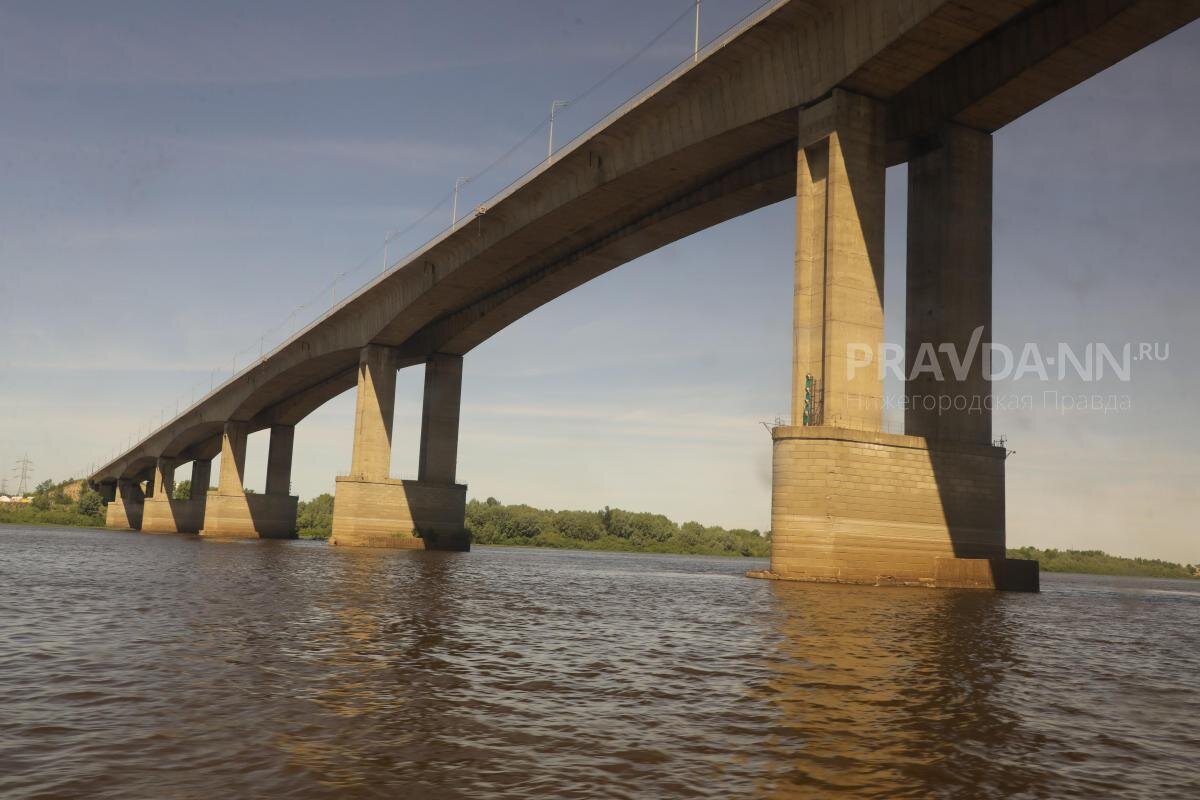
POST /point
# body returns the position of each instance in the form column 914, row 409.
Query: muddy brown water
column 141, row 666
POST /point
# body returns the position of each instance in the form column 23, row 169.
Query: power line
column 23, row 471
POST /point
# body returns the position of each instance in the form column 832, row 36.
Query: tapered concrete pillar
column 201, row 478
column 439, row 418
column 231, row 480
column 164, row 478
column 372, row 509
column 279, row 460
column 850, row 503
column 231, row 513
column 371, row 457
column 839, row 263
column 124, row 512
column 950, row 289
column 163, row 513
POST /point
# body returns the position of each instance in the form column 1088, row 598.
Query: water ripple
column 160, row 666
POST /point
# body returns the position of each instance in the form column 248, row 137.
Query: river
column 142, row 666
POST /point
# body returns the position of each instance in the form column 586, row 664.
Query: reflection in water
column 164, row 666
column 890, row 693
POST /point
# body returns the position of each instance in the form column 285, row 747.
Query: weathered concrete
column 852, row 506
column 399, row 514
column 849, row 504
column 839, row 259
column 950, row 288
column 124, row 512
column 373, row 510
column 279, row 460
column 168, row 515
column 164, row 478
column 201, row 477
column 230, row 513
column 1006, row 574
column 439, row 419
column 162, row 513
column 371, row 458
column 250, row 516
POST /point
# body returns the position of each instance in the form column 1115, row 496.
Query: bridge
column 807, row 99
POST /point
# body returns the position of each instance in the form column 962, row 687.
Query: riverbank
column 1097, row 562
column 25, row 515
column 614, row 530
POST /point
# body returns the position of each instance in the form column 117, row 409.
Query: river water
column 141, row 666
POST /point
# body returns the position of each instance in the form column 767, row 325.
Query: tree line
column 74, row 503
column 491, row 522
column 1097, row 562
column 71, row 502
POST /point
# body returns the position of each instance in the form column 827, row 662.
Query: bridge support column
column 201, row 478
column 949, row 328
column 230, row 513
column 850, row 503
column 279, row 460
column 371, row 508
column 163, row 513
column 949, row 297
column 124, row 512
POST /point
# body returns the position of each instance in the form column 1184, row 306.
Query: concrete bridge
column 810, row 99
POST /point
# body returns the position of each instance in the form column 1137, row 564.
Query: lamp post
column 696, row 45
column 554, row 107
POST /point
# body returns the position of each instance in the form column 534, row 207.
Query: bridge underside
column 811, row 100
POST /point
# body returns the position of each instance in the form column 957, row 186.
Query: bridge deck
column 712, row 141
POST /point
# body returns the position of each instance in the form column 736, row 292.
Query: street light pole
column 696, row 46
column 554, row 107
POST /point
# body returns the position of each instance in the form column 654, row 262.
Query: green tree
column 183, row 491
column 314, row 519
column 90, row 503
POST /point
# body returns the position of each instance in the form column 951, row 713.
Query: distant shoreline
column 616, row 531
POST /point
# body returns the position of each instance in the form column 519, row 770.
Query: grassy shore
column 64, row 517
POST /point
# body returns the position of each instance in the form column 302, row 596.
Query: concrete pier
column 851, row 503
column 371, row 509
column 162, row 513
column 230, row 513
column 124, row 511
column 839, row 259
column 949, row 288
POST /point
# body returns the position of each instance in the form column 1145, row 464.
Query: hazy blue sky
column 177, row 178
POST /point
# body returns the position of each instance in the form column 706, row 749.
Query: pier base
column 400, row 514
column 172, row 516
column 863, row 507
column 123, row 516
column 250, row 516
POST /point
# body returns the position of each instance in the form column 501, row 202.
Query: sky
column 183, row 183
